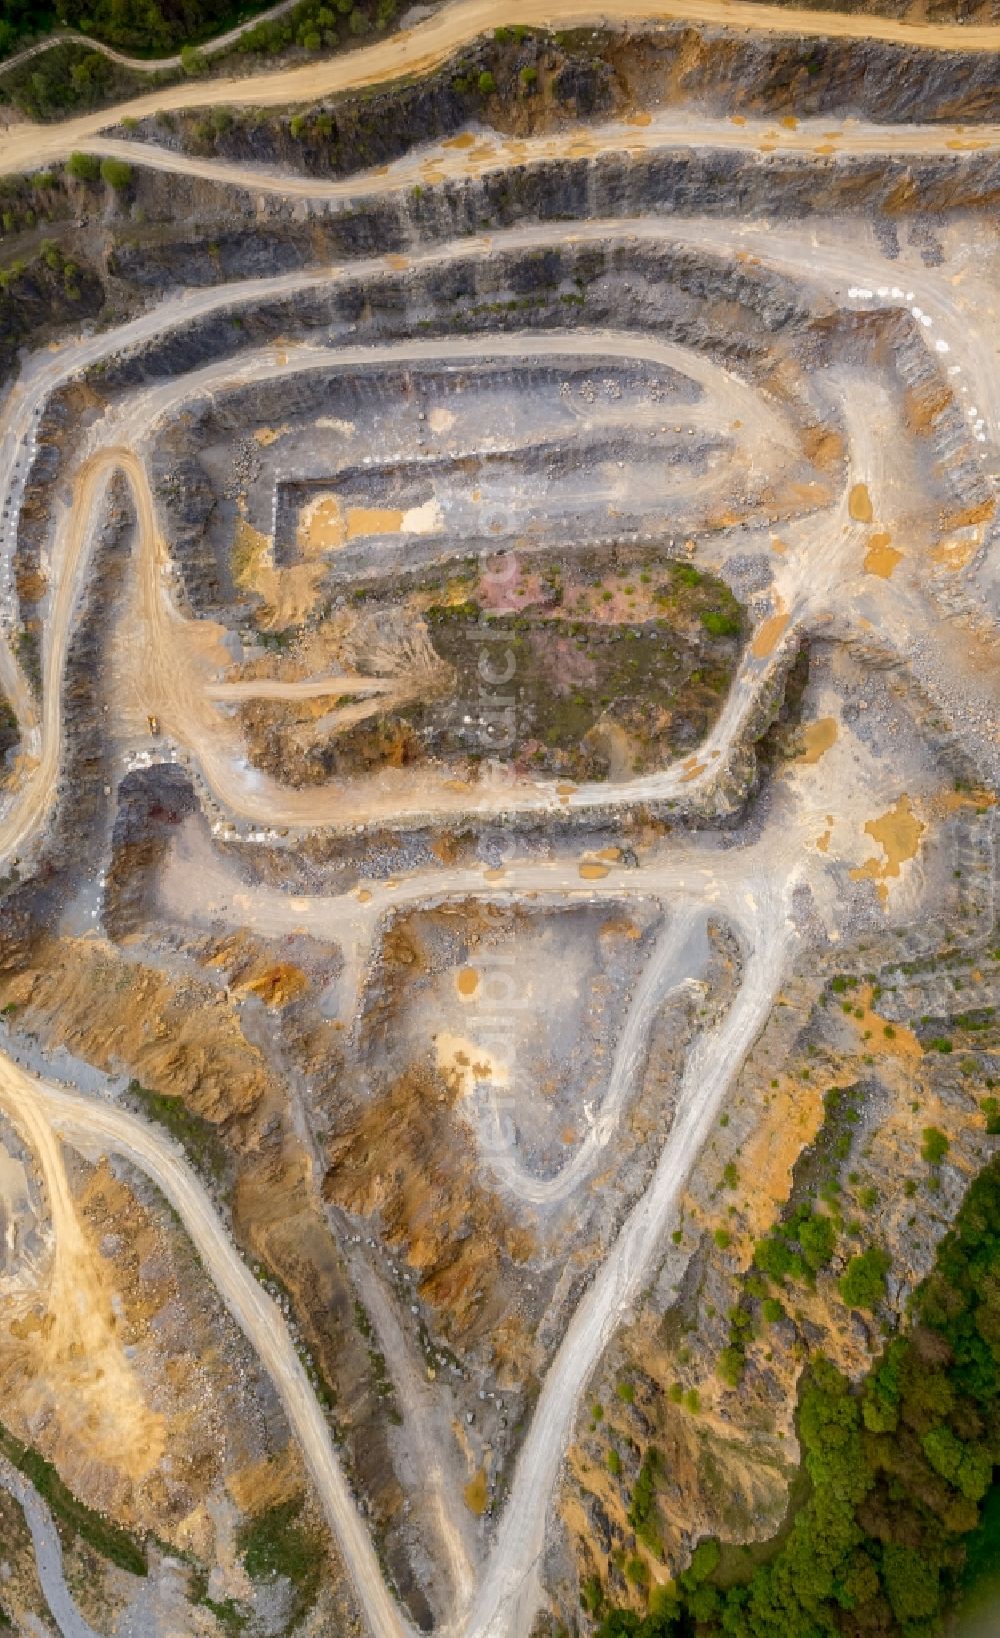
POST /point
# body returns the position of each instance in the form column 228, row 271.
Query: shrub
column 487, row 84
column 528, row 77
column 863, row 1282
column 991, row 1109
column 722, row 1238
column 637, row 1571
column 116, row 173
column 192, row 61
column 817, row 1237
column 965, row 1467
column 642, row 1512
column 720, row 625
column 83, row 167
column 732, row 1362
column 935, row 1145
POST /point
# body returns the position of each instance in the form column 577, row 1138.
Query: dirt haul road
column 48, row 1553
column 149, row 65
column 676, row 961
column 450, row 161
column 933, row 36
column 177, row 692
column 510, row 1591
column 179, row 651
column 823, row 263
column 41, row 1109
column 424, row 47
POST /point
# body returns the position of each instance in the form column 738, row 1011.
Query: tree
column 968, row 1468
column 911, row 1584
column 487, row 84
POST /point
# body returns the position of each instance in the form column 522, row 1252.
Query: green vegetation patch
column 584, row 698
column 72, row 1515
column 197, row 1136
column 798, row 1247
column 642, row 1511
column 863, row 1282
column 889, row 1537
column 9, row 732
column 979, row 1593
column 70, row 78
column 276, row 1544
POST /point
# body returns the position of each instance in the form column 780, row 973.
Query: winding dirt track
column 718, row 13
column 446, row 162
column 48, row 1553
column 176, row 686
column 676, row 961
column 419, row 50
column 148, row 65
column 41, row 1108
column 510, row 1592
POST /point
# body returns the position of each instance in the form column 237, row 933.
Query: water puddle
column 769, row 634
column 461, row 1058
column 373, row 520
column 467, row 981
column 320, row 526
column 897, row 832
column 818, row 736
column 881, row 557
